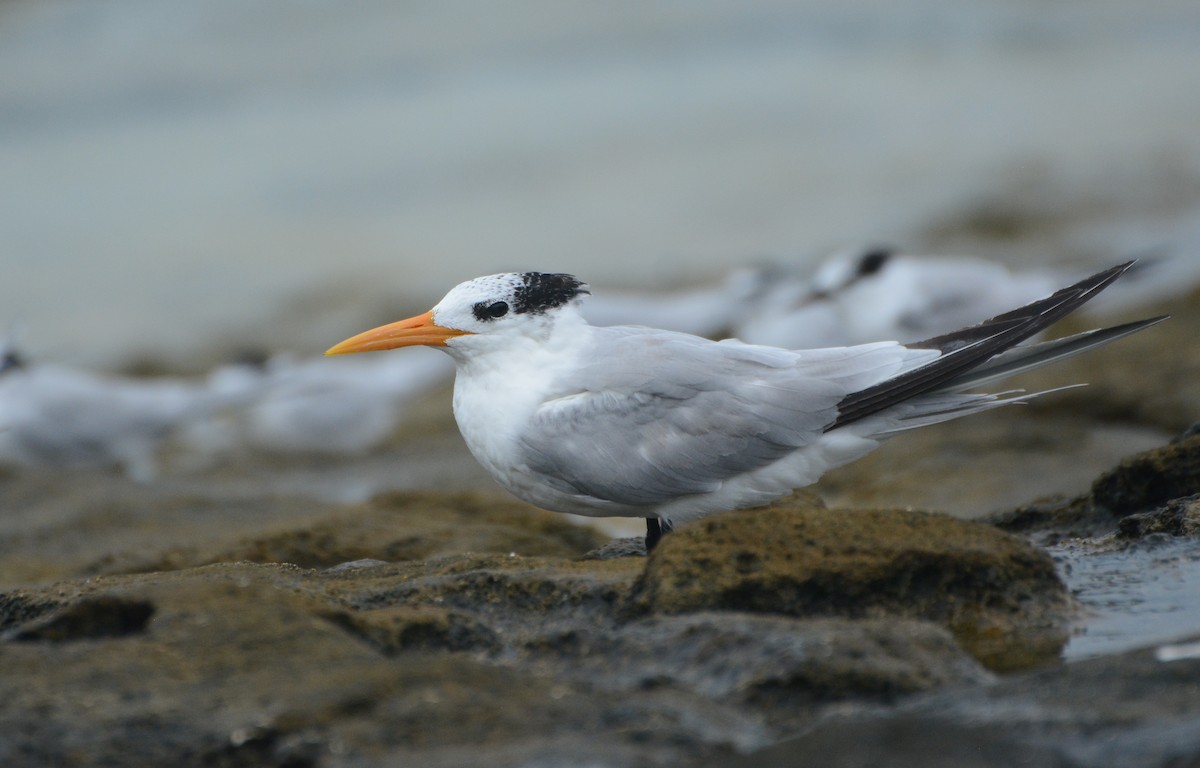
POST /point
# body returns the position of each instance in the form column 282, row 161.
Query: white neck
column 501, row 382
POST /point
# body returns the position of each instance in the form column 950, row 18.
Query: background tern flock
column 61, row 417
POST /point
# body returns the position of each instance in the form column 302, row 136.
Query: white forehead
column 489, row 287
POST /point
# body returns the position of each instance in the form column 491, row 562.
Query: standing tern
column 636, row 422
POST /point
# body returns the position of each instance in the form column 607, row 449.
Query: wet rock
column 627, row 547
column 402, row 628
column 440, row 628
column 1140, row 484
column 57, row 525
column 90, row 618
column 20, row 607
column 999, row 595
column 249, row 664
column 1049, row 522
column 1179, row 517
column 778, row 666
column 96, row 523
column 391, row 527
column 900, row 742
column 1149, row 479
column 510, row 593
column 1136, row 710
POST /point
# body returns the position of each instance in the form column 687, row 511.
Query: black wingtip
column 1065, row 300
column 965, row 349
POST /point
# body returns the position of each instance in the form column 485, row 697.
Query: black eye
column 491, row 311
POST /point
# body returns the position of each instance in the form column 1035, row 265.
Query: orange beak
column 415, row 331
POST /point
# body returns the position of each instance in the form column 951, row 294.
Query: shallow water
column 1141, row 595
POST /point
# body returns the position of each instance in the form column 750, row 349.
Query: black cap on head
column 542, row 291
column 873, row 260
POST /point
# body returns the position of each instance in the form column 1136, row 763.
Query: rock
column 1135, row 710
column 402, row 628
column 90, row 522
column 999, row 595
column 103, row 524
column 23, row 607
column 241, row 665
column 779, row 667
column 389, row 528
column 509, row 593
column 439, row 628
column 1126, row 549
column 627, row 547
column 1048, row 521
column 1140, row 485
column 90, row 618
column 1147, row 480
column 524, row 660
column 1178, row 517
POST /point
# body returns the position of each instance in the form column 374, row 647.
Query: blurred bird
column 311, row 406
column 875, row 294
column 710, row 311
column 57, row 416
column 637, row 422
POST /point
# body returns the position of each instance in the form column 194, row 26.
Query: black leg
column 655, row 530
column 653, row 534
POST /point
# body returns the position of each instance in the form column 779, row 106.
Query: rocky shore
column 211, row 621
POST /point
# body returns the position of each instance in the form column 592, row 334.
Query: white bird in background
column 710, row 311
column 873, row 294
column 870, row 294
column 636, row 422
column 62, row 417
column 309, row 406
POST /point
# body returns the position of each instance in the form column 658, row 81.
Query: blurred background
column 198, row 197
column 180, row 180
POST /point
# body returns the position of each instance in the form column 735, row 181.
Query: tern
column 64, row 417
column 305, row 406
column 876, row 293
column 873, row 294
column 638, row 422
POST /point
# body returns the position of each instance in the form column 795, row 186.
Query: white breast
column 497, row 393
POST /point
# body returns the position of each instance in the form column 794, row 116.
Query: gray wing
column 667, row 415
